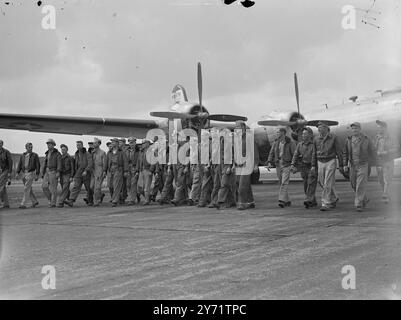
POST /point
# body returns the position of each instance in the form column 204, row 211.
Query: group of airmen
column 130, row 177
column 317, row 159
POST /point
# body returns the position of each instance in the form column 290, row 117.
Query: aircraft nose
column 203, row 114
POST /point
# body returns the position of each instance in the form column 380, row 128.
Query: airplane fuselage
column 366, row 112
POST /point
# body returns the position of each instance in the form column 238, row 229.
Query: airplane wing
column 77, row 125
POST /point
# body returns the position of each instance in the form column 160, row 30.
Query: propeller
column 314, row 123
column 200, row 86
column 172, row 115
column 296, row 90
column 226, row 117
column 202, row 115
column 275, row 123
column 299, row 123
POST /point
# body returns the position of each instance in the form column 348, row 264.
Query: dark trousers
column 216, row 175
column 227, row 186
column 124, row 190
column 158, row 184
column 110, row 184
column 245, row 194
column 65, row 187
column 207, row 186
column 90, row 191
column 310, row 182
column 168, row 188
column 116, row 177
column 76, row 189
column 181, row 191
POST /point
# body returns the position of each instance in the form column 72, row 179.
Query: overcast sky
column 121, row 59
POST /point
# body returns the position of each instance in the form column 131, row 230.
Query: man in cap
column 83, row 168
column 328, row 149
column 29, row 166
column 159, row 177
column 108, row 175
column 145, row 169
column 6, row 166
column 181, row 178
column 51, row 172
column 226, row 196
column 124, row 191
column 207, row 177
column 167, row 193
column 133, row 174
column 196, row 172
column 122, row 144
column 89, row 193
column 90, row 146
column 216, row 155
column 303, row 160
column 281, row 155
column 66, row 174
column 358, row 152
column 243, row 172
column 99, row 169
column 387, row 150
column 117, row 166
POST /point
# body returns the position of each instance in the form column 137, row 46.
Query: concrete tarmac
column 167, row 252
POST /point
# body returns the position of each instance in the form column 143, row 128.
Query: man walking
column 99, row 169
column 29, row 166
column 89, row 192
column 328, row 149
column 245, row 194
column 167, row 193
column 181, row 176
column 51, row 172
column 146, row 170
column 159, row 177
column 90, row 147
column 387, row 149
column 108, row 175
column 117, row 166
column 83, row 167
column 281, row 155
column 124, row 190
column 197, row 174
column 133, row 174
column 358, row 150
column 6, row 166
column 304, row 160
column 66, row 174
column 207, row 177
column 215, row 170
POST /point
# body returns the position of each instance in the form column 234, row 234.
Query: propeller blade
column 275, row 123
column 172, row 115
column 296, row 90
column 226, row 117
column 314, row 123
column 200, row 85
